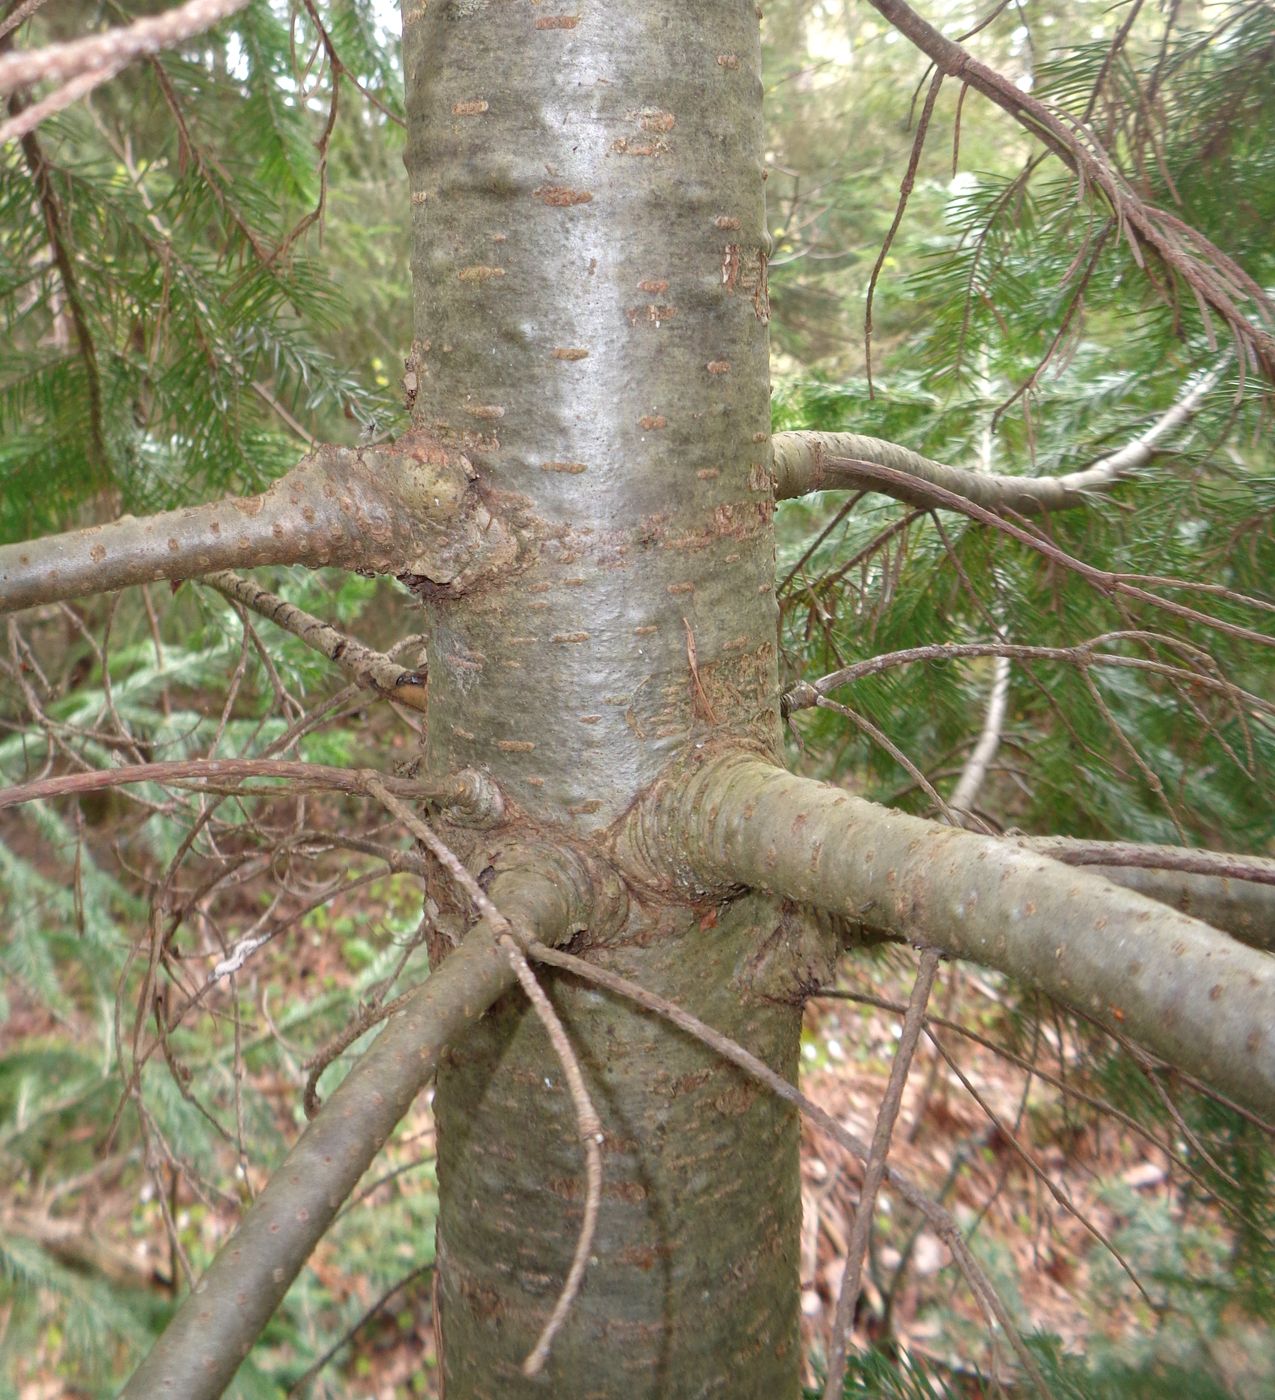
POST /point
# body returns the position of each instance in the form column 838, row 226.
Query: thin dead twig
column 1103, row 579
column 166, row 916
column 805, row 694
column 1011, row 1139
column 1029, row 1067
column 321, row 1059
column 874, row 1171
column 590, row 1126
column 905, row 193
column 62, row 246
column 881, row 738
column 939, row 1219
column 360, row 663
column 302, row 1382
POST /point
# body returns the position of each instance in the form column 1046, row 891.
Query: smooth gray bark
column 1193, row 996
column 1234, row 893
column 589, row 272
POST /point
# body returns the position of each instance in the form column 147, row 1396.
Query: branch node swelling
column 408, row 508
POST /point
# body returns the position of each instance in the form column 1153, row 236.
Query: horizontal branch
column 808, row 461
column 363, row 665
column 401, row 508
column 210, row 1334
column 1193, row 996
column 1135, row 855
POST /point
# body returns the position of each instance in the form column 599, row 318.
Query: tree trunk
column 590, row 282
column 692, row 1289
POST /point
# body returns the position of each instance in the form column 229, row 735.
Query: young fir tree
column 584, row 505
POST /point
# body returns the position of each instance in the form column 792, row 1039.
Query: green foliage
column 1018, row 334
column 172, row 326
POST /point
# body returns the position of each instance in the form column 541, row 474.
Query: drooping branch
column 58, row 62
column 1191, row 995
column 211, row 1332
column 1216, row 281
column 401, row 508
column 360, row 663
column 1203, row 674
column 806, row 462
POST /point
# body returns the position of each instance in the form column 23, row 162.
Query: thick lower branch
column 203, row 1345
column 1191, row 995
column 404, row 508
